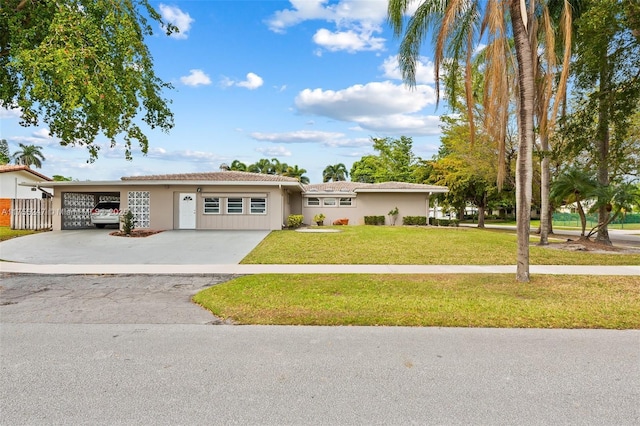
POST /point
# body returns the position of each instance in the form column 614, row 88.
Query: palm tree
column 458, row 29
column 547, row 70
column 574, row 186
column 335, row 172
column 261, row 166
column 298, row 173
column 238, row 165
column 29, row 155
column 278, row 168
column 617, row 199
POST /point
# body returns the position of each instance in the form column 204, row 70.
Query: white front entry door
column 187, row 211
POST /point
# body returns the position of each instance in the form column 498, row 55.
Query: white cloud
column 252, row 82
column 35, row 140
column 10, row 112
column 402, row 123
column 42, row 133
column 196, row 78
column 177, row 17
column 372, row 99
column 274, row 151
column 425, row 72
column 300, row 136
column 340, row 13
column 351, row 41
column 378, row 106
column 355, row 23
column 329, row 139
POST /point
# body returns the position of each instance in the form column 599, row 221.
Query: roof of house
column 354, row 187
column 224, row 176
column 4, row 168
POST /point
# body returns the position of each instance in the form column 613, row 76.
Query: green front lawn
column 6, row 233
column 415, row 246
column 428, row 300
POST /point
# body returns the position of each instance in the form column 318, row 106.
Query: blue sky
column 307, row 81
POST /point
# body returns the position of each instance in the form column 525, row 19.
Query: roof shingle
column 4, row 168
column 226, row 176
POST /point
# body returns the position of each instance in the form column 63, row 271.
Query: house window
column 313, row 201
column 258, row 205
column 345, row 201
column 330, row 202
column 212, row 205
column 234, row 206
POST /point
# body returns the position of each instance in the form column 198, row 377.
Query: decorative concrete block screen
column 76, row 207
column 139, row 206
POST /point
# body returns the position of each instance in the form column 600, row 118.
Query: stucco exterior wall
column 164, row 205
column 10, row 188
column 371, row 204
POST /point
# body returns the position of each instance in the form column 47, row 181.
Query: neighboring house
column 20, row 182
column 234, row 200
column 354, row 201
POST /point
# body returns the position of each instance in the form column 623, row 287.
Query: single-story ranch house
column 235, row 200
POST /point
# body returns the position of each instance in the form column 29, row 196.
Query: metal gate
column 76, row 208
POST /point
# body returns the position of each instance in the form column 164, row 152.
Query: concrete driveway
column 96, row 246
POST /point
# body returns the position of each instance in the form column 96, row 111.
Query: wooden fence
column 32, row 213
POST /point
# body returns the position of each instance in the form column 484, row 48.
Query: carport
column 76, row 207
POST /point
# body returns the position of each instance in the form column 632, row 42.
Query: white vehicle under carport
column 105, row 213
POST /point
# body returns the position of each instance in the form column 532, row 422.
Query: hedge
column 443, row 222
column 374, row 220
column 414, row 220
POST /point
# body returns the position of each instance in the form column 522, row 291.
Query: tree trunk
column 524, row 164
column 482, row 206
column 602, row 139
column 583, row 218
column 545, row 184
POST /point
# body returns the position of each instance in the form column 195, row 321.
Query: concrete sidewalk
column 24, row 268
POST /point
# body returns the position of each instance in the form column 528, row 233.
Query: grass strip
column 466, row 300
column 401, row 245
column 6, row 233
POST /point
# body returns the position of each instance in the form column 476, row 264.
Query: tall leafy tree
column 60, row 178
column 29, row 155
column 366, row 170
column 395, row 161
column 458, row 27
column 82, row 68
column 607, row 95
column 335, row 172
column 5, row 157
column 470, row 172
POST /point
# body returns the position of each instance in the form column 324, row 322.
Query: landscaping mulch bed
column 592, row 246
column 136, row 233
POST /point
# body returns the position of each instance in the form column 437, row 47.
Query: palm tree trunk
column 583, row 218
column 545, row 184
column 524, row 164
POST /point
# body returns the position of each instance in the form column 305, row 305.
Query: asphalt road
column 133, row 350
